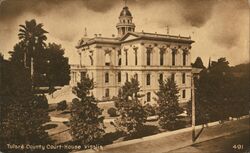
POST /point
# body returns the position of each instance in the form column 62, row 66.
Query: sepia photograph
column 124, row 76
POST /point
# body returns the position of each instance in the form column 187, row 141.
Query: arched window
column 136, row 56
column 184, row 57
column 173, row 57
column 148, row 79
column 148, row 56
column 107, row 59
column 123, row 30
column 161, row 57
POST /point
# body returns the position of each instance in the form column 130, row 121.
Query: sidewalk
column 168, row 141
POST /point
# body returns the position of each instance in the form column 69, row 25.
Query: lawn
column 59, row 131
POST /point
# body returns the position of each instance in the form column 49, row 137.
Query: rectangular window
column 75, row 76
column 126, row 76
column 148, row 79
column 120, row 62
column 183, row 78
column 148, row 57
column 148, row 96
column 83, row 75
column 119, row 58
column 106, row 77
column 107, row 93
column 91, row 60
column 135, row 57
column 136, row 77
column 173, row 77
column 126, row 57
column 183, row 93
column 161, row 77
column 119, row 77
column 184, row 59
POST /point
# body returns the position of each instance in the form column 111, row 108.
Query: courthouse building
column 145, row 56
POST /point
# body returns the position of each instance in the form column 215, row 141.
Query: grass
column 60, row 130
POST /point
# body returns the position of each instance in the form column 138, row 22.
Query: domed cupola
column 125, row 22
column 125, row 12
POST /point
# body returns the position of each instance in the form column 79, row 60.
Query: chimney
column 85, row 32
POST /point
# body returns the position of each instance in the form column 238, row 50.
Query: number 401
column 238, row 146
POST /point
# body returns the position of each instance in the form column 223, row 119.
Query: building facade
column 145, row 56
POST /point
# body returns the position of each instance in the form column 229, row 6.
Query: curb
column 164, row 134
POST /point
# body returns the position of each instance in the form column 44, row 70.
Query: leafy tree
column 216, row 93
column 33, row 36
column 132, row 115
column 221, row 92
column 22, row 113
column 215, row 88
column 5, row 70
column 53, row 68
column 168, row 104
column 240, row 85
column 86, row 121
column 198, row 63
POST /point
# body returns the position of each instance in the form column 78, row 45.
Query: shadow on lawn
column 112, row 137
column 66, row 112
column 50, row 126
column 109, row 138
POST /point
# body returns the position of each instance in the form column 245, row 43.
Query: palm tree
column 33, row 35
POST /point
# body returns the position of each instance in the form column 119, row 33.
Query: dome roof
column 125, row 12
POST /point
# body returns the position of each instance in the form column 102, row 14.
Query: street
column 237, row 143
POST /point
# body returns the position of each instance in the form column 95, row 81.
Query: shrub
column 149, row 109
column 132, row 115
column 62, row 105
column 168, row 103
column 112, row 112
